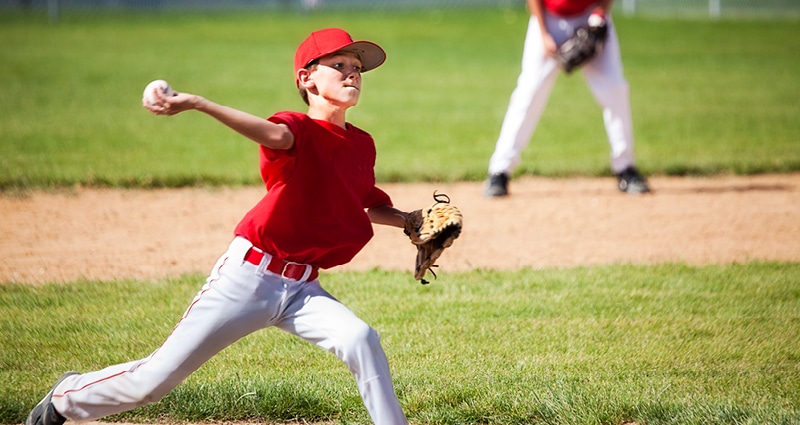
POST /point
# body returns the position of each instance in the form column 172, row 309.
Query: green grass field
column 664, row 344
column 707, row 97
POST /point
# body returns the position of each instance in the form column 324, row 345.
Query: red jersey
column 568, row 7
column 317, row 193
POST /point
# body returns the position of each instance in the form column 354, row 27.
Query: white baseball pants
column 603, row 75
column 237, row 300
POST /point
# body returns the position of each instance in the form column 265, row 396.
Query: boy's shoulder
column 293, row 115
column 298, row 121
column 293, row 119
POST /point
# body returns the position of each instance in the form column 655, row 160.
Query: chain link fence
column 712, row 8
column 664, row 8
column 254, row 4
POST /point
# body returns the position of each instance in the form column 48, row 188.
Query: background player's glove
column 585, row 44
column 432, row 230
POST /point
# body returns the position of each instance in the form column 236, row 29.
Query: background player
column 551, row 23
column 321, row 200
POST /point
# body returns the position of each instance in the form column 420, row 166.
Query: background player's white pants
column 603, row 75
column 234, row 302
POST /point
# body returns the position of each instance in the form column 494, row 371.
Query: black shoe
column 496, row 185
column 630, row 181
column 44, row 413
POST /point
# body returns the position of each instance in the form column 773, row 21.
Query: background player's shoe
column 630, row 181
column 496, row 185
column 44, row 413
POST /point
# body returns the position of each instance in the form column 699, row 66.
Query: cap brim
column 372, row 56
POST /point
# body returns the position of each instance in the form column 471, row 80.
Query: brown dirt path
column 109, row 234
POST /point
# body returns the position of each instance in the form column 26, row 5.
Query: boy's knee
column 143, row 396
column 144, row 392
column 358, row 340
column 363, row 335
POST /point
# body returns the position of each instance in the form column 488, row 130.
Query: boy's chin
column 350, row 102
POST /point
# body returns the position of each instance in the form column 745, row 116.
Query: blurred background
column 714, row 88
column 696, row 8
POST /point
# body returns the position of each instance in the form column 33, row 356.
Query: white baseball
column 596, row 20
column 162, row 85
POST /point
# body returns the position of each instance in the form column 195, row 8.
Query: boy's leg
column 527, row 102
column 229, row 306
column 314, row 315
column 604, row 76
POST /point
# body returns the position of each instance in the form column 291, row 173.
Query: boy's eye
column 340, row 66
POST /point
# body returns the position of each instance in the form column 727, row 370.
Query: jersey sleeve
column 292, row 121
column 377, row 198
column 277, row 165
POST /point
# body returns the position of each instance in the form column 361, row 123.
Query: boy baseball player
column 551, row 23
column 317, row 213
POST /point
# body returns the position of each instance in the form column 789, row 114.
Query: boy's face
column 337, row 78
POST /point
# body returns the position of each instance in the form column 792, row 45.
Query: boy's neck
column 330, row 113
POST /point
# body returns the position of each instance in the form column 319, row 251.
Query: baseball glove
column 585, row 44
column 432, row 230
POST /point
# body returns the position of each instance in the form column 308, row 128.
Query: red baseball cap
column 331, row 40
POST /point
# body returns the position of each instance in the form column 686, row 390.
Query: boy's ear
column 304, row 79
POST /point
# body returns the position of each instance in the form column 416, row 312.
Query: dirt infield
column 108, row 234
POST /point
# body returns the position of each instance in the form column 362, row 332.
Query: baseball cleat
column 630, row 181
column 496, row 185
column 44, row 413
